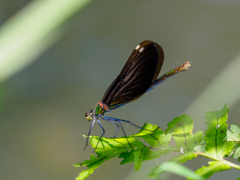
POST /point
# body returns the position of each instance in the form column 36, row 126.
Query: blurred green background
column 57, row 58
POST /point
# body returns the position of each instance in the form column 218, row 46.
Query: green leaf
column 128, row 157
column 194, row 139
column 236, row 151
column 150, row 133
column 234, row 133
column 214, row 146
column 141, row 154
column 135, row 156
column 176, row 169
column 107, row 149
column 180, row 159
column 216, row 135
column 137, row 159
column 184, row 157
column 180, row 125
column 214, row 166
column 180, row 128
column 92, row 164
column 113, row 146
column 201, row 146
column 92, row 160
column 164, row 140
column 156, row 138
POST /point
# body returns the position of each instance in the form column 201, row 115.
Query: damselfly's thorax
column 100, row 110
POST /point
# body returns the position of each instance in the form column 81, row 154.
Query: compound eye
column 88, row 116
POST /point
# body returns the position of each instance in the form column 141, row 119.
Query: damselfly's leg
column 119, row 120
column 89, row 133
column 125, row 134
column 101, row 135
column 117, row 127
column 183, row 67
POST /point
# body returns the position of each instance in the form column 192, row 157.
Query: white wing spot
column 140, row 50
column 137, row 47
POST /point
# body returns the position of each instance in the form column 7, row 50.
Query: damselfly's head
column 89, row 116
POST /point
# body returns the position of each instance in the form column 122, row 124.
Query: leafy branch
column 217, row 143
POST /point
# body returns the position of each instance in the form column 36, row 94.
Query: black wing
column 140, row 70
